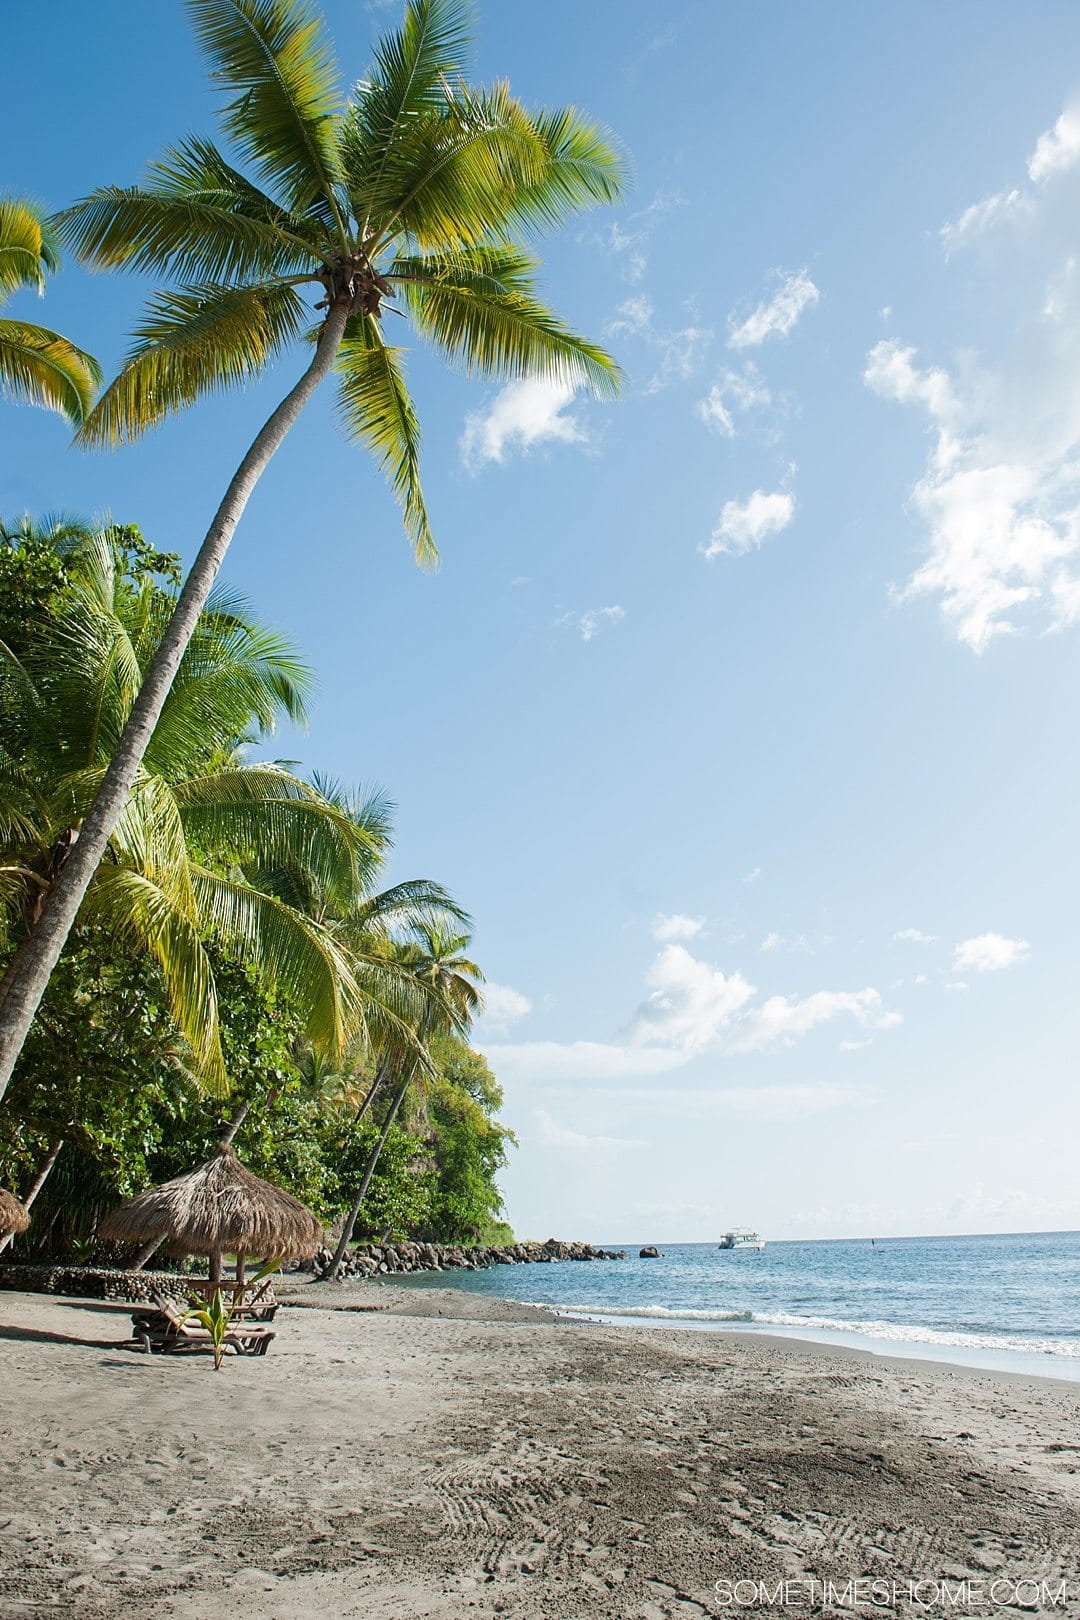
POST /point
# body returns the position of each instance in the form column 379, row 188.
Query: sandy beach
column 447, row 1455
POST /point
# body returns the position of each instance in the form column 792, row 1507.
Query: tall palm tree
column 186, row 855
column 414, row 188
column 449, row 978
column 38, row 366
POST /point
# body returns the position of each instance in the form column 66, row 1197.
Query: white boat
column 741, row 1238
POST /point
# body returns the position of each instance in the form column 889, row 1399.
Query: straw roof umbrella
column 13, row 1217
column 216, row 1208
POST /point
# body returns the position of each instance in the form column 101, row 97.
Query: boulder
column 651, row 1252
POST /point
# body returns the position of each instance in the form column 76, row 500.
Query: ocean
column 1000, row 1301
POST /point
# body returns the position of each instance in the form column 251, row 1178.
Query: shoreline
column 447, row 1455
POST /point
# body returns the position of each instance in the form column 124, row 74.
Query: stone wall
column 89, row 1282
column 375, row 1259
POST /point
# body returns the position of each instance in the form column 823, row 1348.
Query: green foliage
column 399, row 1198
column 184, row 857
column 467, row 1144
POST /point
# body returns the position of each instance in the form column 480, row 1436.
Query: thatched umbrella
column 13, row 1217
column 219, row 1207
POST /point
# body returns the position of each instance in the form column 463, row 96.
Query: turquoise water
column 1008, row 1301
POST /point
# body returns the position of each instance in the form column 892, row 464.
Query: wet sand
column 445, row 1455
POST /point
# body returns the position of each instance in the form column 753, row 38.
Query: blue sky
column 741, row 713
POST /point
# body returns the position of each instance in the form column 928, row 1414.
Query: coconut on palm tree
column 38, row 366
column 413, row 191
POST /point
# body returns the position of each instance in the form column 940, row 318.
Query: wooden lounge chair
column 167, row 1326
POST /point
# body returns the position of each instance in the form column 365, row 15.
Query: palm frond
column 27, row 246
column 408, row 80
column 584, row 167
column 265, row 815
column 376, row 409
column 495, row 329
column 274, row 61
column 192, row 342
column 39, row 367
column 196, row 218
column 288, row 949
column 139, row 913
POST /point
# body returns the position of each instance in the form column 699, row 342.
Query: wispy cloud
column 680, row 350
column 999, row 494
column 503, row 1006
column 743, row 525
column 676, row 925
column 914, row 936
column 593, row 620
column 779, row 1020
column 776, row 316
column 523, row 414
column 692, row 1008
column 733, row 394
column 989, row 953
column 1056, row 152
column 556, row 1133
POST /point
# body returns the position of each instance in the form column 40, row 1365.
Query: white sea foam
column 896, row 1332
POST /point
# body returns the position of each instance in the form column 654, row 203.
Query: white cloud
column 680, row 350
column 745, row 524
column 999, row 497
column 552, row 1133
column 856, row 1046
column 594, row 619
column 522, row 415
column 1057, row 149
column 503, row 1005
column 984, row 216
column 691, row 1003
column 733, row 392
column 753, row 875
column 891, row 372
column 692, row 1008
column 781, row 1018
column 674, row 926
column 988, row 953
column 776, row 316
column 915, row 936
column 587, row 1062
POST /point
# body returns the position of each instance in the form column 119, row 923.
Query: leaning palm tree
column 449, row 979
column 186, row 855
column 413, row 190
column 38, row 366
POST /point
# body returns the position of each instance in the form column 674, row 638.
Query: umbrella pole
column 240, row 1269
column 215, row 1266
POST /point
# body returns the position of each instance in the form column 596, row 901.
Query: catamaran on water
column 741, row 1238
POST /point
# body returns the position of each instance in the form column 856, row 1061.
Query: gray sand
column 445, row 1456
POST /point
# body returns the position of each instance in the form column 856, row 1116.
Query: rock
column 650, row 1253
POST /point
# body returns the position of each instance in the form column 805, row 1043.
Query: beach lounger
column 163, row 1328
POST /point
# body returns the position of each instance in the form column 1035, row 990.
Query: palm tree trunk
column 39, row 1181
column 24, row 983
column 147, row 1252
column 365, row 1180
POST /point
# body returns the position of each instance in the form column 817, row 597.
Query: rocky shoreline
column 390, row 1259
column 368, row 1260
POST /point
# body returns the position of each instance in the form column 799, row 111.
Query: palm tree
column 415, row 189
column 38, row 366
column 449, row 979
column 185, row 857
